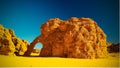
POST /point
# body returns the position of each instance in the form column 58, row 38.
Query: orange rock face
column 74, row 38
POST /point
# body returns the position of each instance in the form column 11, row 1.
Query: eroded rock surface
column 10, row 44
column 75, row 38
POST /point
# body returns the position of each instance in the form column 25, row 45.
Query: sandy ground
column 14, row 61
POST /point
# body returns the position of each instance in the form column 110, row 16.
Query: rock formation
column 74, row 38
column 108, row 44
column 36, row 51
column 30, row 48
column 113, row 48
column 10, row 44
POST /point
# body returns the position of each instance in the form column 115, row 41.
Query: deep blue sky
column 26, row 16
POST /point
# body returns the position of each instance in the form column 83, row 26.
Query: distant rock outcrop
column 10, row 44
column 75, row 38
column 36, row 51
column 113, row 48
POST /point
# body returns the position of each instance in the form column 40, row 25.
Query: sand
column 14, row 61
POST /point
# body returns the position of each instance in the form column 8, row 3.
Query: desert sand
column 14, row 61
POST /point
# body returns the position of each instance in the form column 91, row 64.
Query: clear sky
column 25, row 17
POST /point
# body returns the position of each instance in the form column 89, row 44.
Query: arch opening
column 32, row 47
column 36, row 49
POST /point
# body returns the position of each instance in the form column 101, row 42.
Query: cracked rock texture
column 74, row 38
column 10, row 44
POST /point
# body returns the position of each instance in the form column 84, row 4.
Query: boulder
column 10, row 44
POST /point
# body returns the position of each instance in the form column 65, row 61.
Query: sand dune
column 111, row 61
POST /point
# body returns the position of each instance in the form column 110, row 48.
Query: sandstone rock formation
column 113, row 48
column 108, row 44
column 10, row 44
column 74, row 38
column 36, row 51
column 30, row 48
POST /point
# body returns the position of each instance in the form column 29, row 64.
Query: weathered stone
column 74, row 38
column 20, row 46
column 30, row 48
column 10, row 44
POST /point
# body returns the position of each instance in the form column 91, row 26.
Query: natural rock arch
column 74, row 38
column 31, row 46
